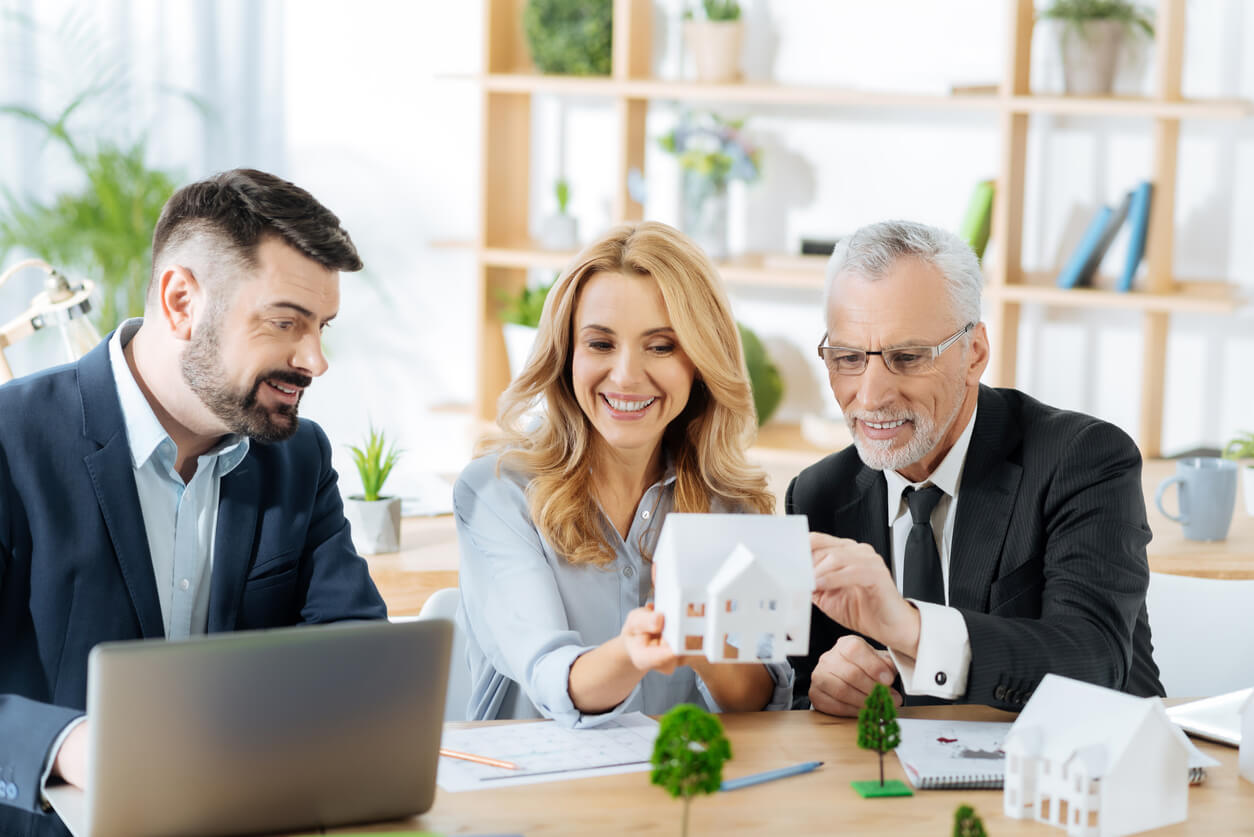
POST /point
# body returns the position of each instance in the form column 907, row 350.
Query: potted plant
column 764, row 377
column 375, row 519
column 570, row 37
column 715, row 40
column 520, row 317
column 1090, row 35
column 712, row 152
column 560, row 231
column 688, row 754
column 1242, row 448
column 878, row 730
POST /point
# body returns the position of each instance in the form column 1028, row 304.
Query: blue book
column 1138, row 224
column 1073, row 272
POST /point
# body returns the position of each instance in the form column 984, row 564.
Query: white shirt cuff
column 944, row 659
column 52, row 757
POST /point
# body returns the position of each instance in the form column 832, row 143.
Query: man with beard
column 163, row 486
column 972, row 539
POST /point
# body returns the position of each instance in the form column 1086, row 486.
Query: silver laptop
column 284, row 729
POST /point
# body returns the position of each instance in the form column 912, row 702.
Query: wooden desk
column 428, row 560
column 814, row 803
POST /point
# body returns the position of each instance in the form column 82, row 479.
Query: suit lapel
column 238, row 495
column 986, row 498
column 113, row 478
column 868, row 514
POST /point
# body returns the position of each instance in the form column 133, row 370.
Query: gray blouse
column 528, row 613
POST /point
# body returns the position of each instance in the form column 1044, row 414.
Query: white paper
column 546, row 752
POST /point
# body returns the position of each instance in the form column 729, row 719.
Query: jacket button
column 1000, row 693
column 941, row 678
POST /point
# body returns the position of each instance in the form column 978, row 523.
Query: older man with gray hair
column 972, row 539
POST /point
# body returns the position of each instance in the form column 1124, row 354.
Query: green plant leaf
column 373, row 463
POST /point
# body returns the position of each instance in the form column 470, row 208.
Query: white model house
column 1246, row 758
column 735, row 587
column 1095, row 761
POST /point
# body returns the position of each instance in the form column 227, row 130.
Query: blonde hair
column 706, row 442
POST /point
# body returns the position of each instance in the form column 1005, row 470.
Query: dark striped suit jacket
column 1047, row 564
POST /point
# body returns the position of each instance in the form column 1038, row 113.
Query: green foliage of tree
column 1078, row 12
column 688, row 754
column 570, row 37
column 878, row 729
column 764, row 377
column 373, row 463
column 967, row 823
column 721, row 9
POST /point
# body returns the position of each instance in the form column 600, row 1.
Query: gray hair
column 873, row 250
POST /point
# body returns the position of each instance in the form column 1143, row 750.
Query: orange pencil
column 454, row 754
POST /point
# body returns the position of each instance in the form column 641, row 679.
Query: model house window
column 731, row 605
column 696, row 611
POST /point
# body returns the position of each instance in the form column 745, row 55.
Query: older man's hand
column 854, row 587
column 847, row 673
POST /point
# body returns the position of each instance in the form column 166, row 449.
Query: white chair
column 443, row 605
column 1203, row 641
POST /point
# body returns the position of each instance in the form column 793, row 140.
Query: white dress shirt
column 944, row 655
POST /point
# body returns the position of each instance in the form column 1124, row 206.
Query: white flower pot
column 1247, row 486
column 519, row 339
column 1090, row 56
column 559, row 232
column 715, row 46
column 375, row 525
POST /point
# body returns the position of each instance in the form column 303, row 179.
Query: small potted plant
column 1091, row 34
column 688, row 754
column 520, row 317
column 764, row 377
column 715, row 40
column 375, row 519
column 1241, row 448
column 570, row 37
column 560, row 231
column 712, row 152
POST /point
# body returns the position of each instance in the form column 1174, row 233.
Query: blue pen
column 759, row 778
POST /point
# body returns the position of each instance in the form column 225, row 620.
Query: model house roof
column 693, row 548
column 1068, row 719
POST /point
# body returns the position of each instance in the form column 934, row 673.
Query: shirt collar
column 946, row 477
column 143, row 431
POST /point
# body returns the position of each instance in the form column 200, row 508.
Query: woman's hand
column 642, row 638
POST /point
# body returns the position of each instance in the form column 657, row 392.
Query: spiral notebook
column 968, row 754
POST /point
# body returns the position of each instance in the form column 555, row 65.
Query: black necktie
column 923, row 578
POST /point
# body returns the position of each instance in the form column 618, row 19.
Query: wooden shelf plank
column 786, row 94
column 1195, row 296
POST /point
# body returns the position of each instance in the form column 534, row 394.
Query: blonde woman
column 647, row 410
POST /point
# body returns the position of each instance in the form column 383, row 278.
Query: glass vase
column 703, row 213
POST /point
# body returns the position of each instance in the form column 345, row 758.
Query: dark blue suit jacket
column 75, row 568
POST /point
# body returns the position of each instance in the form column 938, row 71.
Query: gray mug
column 1208, row 494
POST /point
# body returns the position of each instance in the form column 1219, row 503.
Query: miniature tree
column 688, row 754
column 878, row 730
column 967, row 823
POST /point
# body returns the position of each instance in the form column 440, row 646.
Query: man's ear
column 978, row 359
column 181, row 298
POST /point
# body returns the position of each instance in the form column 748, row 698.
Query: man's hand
column 71, row 760
column 846, row 674
column 854, row 587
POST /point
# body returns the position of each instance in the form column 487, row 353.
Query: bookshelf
column 505, row 253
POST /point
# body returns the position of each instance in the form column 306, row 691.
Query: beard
column 880, row 454
column 239, row 409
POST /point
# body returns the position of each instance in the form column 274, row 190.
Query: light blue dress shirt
column 181, row 520
column 528, row 613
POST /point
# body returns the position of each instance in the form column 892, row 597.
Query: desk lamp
column 60, row 305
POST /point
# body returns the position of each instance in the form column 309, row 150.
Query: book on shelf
column 1085, row 259
column 1138, row 226
column 977, row 220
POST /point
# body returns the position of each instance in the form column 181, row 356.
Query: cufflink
column 10, row 790
column 941, row 678
column 1000, row 693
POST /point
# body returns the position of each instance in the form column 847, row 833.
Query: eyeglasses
column 904, row 360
